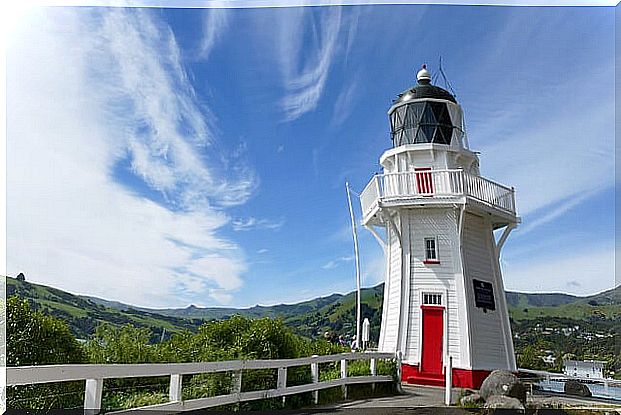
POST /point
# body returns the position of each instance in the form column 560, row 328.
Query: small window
column 431, row 251
column 432, row 299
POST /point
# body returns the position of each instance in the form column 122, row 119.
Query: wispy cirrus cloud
column 336, row 262
column 168, row 132
column 90, row 89
column 215, row 23
column 306, row 69
column 345, row 102
column 252, row 223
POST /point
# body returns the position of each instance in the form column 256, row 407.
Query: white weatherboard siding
column 432, row 189
column 392, row 294
column 488, row 342
column 439, row 223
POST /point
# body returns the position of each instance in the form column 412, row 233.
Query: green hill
column 604, row 305
column 83, row 315
column 310, row 318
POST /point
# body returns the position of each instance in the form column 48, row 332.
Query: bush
column 33, row 338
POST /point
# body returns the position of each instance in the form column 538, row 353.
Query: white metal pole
column 357, row 257
column 448, row 376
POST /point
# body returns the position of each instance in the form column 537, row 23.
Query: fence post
column 373, row 368
column 315, row 378
column 448, row 375
column 92, row 396
column 281, row 383
column 344, row 376
column 398, row 380
column 174, row 391
column 237, row 384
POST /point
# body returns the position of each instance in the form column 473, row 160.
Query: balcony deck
column 441, row 187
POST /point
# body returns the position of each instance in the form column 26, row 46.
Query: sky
column 167, row 157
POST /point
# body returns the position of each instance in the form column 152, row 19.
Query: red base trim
column 462, row 378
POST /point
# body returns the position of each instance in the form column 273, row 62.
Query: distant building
column 549, row 359
column 584, row 368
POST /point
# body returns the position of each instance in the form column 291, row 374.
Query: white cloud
column 345, row 103
column 141, row 79
column 254, row 223
column 87, row 89
column 336, row 262
column 557, row 161
column 592, row 268
column 305, row 75
column 215, row 23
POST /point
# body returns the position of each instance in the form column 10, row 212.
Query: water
column 597, row 389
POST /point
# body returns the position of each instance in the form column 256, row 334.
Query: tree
column 33, row 338
column 126, row 344
column 21, row 277
column 36, row 339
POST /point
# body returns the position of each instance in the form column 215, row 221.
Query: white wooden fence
column 94, row 376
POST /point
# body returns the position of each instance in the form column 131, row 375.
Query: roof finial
column 423, row 76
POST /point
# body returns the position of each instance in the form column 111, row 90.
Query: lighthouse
column 442, row 227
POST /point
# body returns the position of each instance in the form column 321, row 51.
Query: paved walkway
column 419, row 400
column 413, row 396
column 424, row 400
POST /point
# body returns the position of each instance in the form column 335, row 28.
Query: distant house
column 584, row 368
column 549, row 359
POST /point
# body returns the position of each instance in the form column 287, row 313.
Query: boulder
column 573, row 387
column 471, row 400
column 503, row 402
column 503, row 383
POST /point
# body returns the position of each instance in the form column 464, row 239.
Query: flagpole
column 355, row 234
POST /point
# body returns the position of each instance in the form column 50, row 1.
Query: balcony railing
column 435, row 184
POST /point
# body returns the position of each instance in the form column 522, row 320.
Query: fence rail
column 94, row 375
column 435, row 183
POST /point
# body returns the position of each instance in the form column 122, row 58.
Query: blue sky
column 166, row 157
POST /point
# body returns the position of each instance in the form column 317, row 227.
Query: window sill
column 431, row 262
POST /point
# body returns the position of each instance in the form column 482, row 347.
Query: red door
column 424, row 181
column 433, row 329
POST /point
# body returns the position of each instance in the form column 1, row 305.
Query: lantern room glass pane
column 421, row 122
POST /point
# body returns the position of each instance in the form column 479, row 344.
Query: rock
column 503, row 402
column 471, row 400
column 573, row 387
column 503, row 383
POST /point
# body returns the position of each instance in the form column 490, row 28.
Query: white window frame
column 432, row 298
column 435, row 249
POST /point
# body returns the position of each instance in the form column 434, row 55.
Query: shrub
column 33, row 338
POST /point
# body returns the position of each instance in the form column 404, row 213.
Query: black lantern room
column 425, row 113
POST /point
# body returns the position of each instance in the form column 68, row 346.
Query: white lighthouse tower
column 443, row 293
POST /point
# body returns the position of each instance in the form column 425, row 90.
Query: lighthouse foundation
column 462, row 378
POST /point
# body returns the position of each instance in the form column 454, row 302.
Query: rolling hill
column 310, row 318
column 83, row 315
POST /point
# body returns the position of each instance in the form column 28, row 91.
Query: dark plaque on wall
column 484, row 295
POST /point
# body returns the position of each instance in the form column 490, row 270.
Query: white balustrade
column 438, row 184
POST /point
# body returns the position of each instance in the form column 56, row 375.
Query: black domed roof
column 424, row 89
